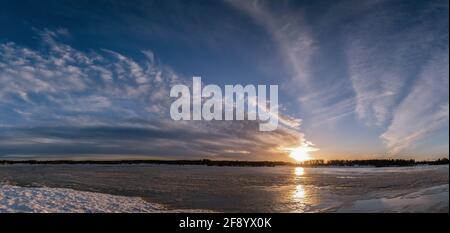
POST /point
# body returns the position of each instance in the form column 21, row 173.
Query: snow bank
column 25, row 199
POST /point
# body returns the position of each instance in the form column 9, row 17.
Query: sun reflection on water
column 299, row 171
column 299, row 193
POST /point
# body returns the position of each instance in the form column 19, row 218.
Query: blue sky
column 366, row 79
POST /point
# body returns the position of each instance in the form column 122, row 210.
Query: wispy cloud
column 399, row 72
column 70, row 102
column 384, row 57
column 61, row 77
column 424, row 110
column 385, row 47
column 154, row 138
column 291, row 34
column 352, row 74
column 298, row 47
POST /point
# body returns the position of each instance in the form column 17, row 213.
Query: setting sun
column 302, row 153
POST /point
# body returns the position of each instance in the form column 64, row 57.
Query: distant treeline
column 207, row 162
column 373, row 162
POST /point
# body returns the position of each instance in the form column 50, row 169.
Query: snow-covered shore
column 60, row 200
column 26, row 199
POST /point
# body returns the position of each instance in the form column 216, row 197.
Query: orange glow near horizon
column 299, row 154
column 302, row 153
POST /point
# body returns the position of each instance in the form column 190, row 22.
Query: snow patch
column 60, row 200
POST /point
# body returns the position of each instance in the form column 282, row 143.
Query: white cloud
column 383, row 59
column 79, row 81
column 297, row 47
column 291, row 34
column 425, row 110
column 100, row 101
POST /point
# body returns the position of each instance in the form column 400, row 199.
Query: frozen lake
column 160, row 188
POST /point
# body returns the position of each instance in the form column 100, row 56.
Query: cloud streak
column 424, row 110
column 400, row 73
column 298, row 48
column 390, row 52
column 69, row 102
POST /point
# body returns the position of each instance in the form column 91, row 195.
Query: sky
column 91, row 79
